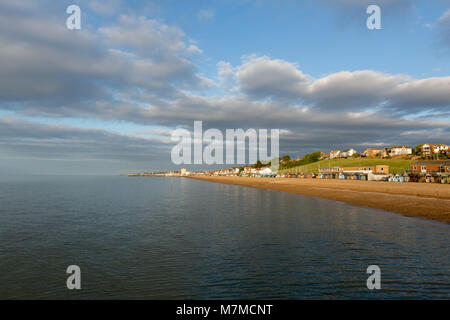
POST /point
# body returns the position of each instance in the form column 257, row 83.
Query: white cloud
column 105, row 7
column 226, row 75
column 445, row 18
column 146, row 37
column 357, row 91
column 444, row 27
column 262, row 77
column 193, row 49
column 422, row 94
column 205, row 14
column 59, row 70
column 140, row 70
column 352, row 90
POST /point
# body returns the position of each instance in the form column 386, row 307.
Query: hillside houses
column 324, row 156
column 396, row 151
column 372, row 152
column 429, row 149
column 393, row 151
column 336, row 154
column 348, row 153
column 372, row 168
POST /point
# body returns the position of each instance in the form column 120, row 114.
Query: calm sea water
column 171, row 238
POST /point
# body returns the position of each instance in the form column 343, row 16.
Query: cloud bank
column 142, row 72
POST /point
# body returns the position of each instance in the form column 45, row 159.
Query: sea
column 179, row 238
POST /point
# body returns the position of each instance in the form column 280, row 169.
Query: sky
column 105, row 99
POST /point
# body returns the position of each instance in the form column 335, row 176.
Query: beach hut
column 413, row 177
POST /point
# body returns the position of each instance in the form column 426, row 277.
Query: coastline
column 422, row 200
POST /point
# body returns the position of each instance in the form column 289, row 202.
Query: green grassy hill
column 395, row 165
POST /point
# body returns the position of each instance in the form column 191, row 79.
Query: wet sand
column 424, row 200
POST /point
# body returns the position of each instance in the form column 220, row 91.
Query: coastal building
column 372, row 152
column 371, row 173
column 430, row 167
column 348, row 153
column 183, row 172
column 247, row 170
column 324, row 156
column 265, row 171
column 335, row 154
column 429, row 149
column 330, row 170
column 378, row 169
column 383, row 169
column 395, row 151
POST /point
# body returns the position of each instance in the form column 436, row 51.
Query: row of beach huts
column 407, row 177
column 424, row 171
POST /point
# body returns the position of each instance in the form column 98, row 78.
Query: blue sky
column 104, row 99
column 314, row 35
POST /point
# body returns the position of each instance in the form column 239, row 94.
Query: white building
column 348, row 153
column 434, row 148
column 398, row 151
column 265, row 171
column 335, row 154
